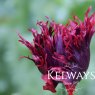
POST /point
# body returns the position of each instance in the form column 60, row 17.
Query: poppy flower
column 62, row 48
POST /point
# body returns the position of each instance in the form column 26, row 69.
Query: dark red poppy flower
column 62, row 48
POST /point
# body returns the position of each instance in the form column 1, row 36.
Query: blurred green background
column 21, row 77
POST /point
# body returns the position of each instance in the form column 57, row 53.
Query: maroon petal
column 62, row 48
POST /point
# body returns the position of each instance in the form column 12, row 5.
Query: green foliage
column 21, row 77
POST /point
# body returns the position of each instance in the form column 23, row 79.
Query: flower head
column 62, row 48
